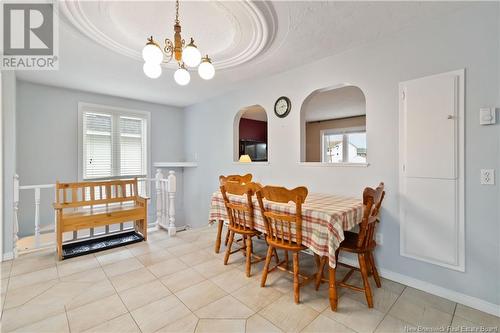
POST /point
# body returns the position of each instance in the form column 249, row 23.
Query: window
column 346, row 145
column 113, row 142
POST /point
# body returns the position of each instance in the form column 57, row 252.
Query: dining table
column 325, row 217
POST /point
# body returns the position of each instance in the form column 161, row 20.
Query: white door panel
column 430, row 107
column 430, row 218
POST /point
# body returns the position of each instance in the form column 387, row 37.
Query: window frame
column 345, row 143
column 115, row 113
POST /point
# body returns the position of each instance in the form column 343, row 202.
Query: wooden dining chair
column 241, row 220
column 284, row 231
column 363, row 244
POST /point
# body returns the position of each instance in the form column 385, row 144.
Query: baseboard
column 7, row 256
column 452, row 295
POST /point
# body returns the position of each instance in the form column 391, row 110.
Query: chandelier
column 186, row 56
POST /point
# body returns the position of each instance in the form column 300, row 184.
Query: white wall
column 465, row 39
column 9, row 155
column 47, row 139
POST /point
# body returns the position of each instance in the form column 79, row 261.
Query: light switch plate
column 487, row 177
column 487, row 116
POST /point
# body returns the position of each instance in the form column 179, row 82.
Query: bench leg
column 145, row 229
column 59, row 237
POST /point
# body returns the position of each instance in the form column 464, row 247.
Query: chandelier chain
column 177, row 11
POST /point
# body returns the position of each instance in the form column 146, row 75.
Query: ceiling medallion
column 184, row 55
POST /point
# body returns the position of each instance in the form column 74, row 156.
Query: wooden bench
column 87, row 205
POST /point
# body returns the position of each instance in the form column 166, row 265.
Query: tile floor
column 180, row 285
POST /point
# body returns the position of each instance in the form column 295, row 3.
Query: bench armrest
column 58, row 206
column 142, row 200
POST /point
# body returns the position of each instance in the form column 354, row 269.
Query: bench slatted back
column 88, row 193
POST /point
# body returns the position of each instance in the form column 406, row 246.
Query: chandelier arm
column 168, row 49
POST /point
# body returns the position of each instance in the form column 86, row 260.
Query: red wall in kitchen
column 253, row 130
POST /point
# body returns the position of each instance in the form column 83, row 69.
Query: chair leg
column 249, row 254
column 296, row 287
column 376, row 277
column 286, row 259
column 219, row 235
column 366, row 283
column 276, row 256
column 227, row 237
column 332, row 288
column 266, row 265
column 319, row 276
column 228, row 248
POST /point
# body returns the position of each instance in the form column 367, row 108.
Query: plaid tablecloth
column 324, row 218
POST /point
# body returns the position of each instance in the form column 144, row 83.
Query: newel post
column 15, row 224
column 159, row 198
column 171, row 188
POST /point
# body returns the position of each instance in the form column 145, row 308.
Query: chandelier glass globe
column 152, row 53
column 182, row 76
column 153, row 71
column 191, row 56
column 206, row 70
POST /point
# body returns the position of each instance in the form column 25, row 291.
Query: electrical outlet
column 379, row 239
column 487, row 177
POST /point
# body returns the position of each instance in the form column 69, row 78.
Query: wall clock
column 282, row 106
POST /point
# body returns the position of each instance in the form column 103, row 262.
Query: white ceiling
column 100, row 41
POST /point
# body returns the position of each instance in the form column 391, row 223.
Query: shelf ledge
column 175, row 165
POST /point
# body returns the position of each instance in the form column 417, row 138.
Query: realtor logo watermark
column 29, row 35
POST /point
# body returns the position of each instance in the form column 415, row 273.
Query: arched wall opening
column 251, row 135
column 333, row 126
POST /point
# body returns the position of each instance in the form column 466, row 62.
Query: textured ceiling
column 100, row 41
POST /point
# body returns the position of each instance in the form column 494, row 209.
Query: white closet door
column 431, row 169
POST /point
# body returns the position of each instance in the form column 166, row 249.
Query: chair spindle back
column 372, row 200
column 241, row 216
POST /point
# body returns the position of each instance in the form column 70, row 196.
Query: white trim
column 334, row 165
column 253, row 163
column 452, row 295
column 113, row 110
column 7, row 256
column 460, row 176
column 1, row 167
column 175, row 165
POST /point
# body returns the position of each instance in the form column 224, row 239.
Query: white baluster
column 159, row 198
column 15, row 226
column 37, row 217
column 171, row 188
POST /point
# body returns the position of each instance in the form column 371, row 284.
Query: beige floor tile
column 95, row 313
column 167, row 267
column 157, row 236
column 77, row 265
column 122, row 324
column 195, row 258
column 477, row 316
column 323, row 324
column 258, row 324
column 317, row 300
column 383, row 299
column 34, row 277
column 288, row 316
column 211, row 268
column 183, row 249
column 143, row 294
column 27, row 314
column 92, row 293
column 278, row 280
column 155, row 257
column 186, row 324
column 462, row 322
column 427, row 300
column 355, row 315
column 141, row 248
column 132, row 279
column 225, row 308
column 200, row 294
column 168, row 242
column 393, row 325
column 91, row 275
column 20, row 296
column 113, row 257
column 161, row 313
column 231, row 280
column 37, row 261
column 419, row 314
column 182, row 279
column 58, row 323
column 220, row 326
column 122, row 267
column 255, row 297
column 61, row 293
